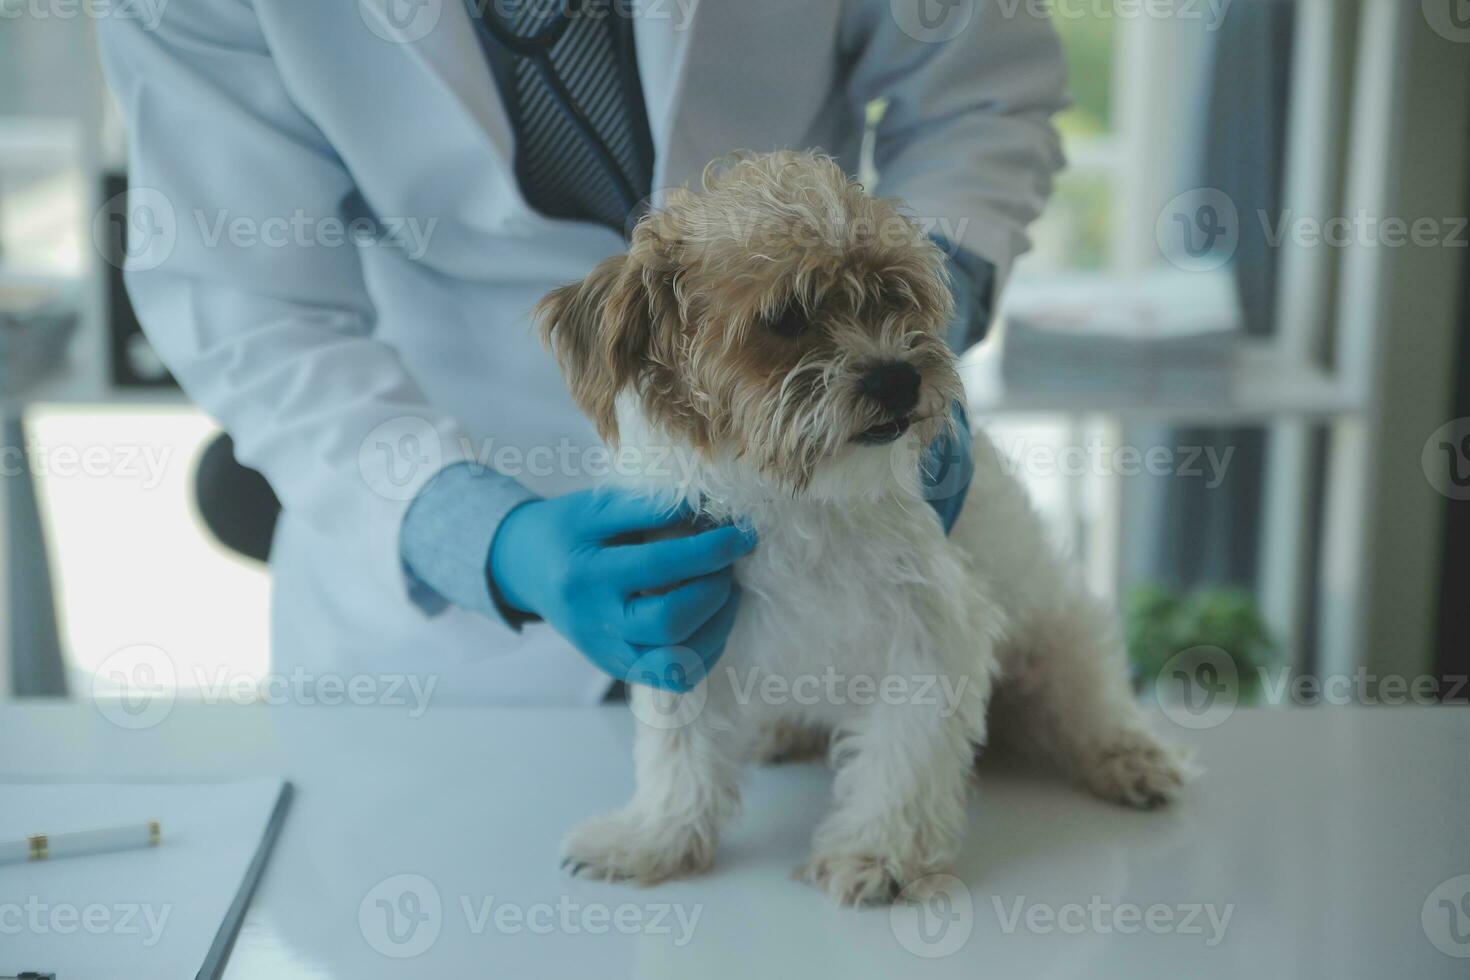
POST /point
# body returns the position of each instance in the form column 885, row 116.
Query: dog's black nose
column 894, row 385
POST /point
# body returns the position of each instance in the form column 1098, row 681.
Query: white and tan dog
column 782, row 330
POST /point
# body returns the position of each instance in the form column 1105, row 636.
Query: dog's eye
column 894, row 298
column 790, row 322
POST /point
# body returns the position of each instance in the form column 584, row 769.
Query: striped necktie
column 568, row 75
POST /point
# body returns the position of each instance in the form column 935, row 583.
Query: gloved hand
column 947, row 469
column 622, row 604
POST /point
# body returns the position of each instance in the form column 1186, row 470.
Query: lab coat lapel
column 666, row 47
column 691, row 55
column 446, row 47
column 731, row 83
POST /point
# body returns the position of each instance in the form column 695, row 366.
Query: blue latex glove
column 947, row 469
column 949, row 464
column 649, row 604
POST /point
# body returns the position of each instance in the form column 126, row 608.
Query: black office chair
column 237, row 504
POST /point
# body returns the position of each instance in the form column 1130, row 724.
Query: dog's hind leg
column 1065, row 698
column 1064, row 694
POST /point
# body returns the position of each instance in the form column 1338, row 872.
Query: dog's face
column 780, row 317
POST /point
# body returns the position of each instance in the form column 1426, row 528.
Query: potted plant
column 1161, row 626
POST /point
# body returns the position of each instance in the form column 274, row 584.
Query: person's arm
column 966, row 138
column 446, row 540
column 275, row 340
column 972, row 281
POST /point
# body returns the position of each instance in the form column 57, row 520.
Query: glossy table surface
column 1325, row 842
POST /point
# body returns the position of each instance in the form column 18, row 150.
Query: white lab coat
column 348, row 375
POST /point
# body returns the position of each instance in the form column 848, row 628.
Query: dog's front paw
column 1137, row 770
column 859, row 879
column 623, row 847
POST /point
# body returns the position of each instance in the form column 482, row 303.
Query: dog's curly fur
column 738, row 331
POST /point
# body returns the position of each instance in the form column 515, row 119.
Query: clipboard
column 173, row 910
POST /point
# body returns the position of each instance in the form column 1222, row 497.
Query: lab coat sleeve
column 966, row 138
column 971, row 280
column 446, row 539
column 247, row 290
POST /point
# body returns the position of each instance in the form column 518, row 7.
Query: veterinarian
column 342, row 213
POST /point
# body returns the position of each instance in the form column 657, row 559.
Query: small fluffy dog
column 782, row 331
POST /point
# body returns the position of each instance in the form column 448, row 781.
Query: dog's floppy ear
column 600, row 329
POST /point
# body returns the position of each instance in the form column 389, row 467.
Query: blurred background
column 1233, row 371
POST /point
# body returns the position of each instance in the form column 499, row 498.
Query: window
column 114, row 481
column 1079, row 232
